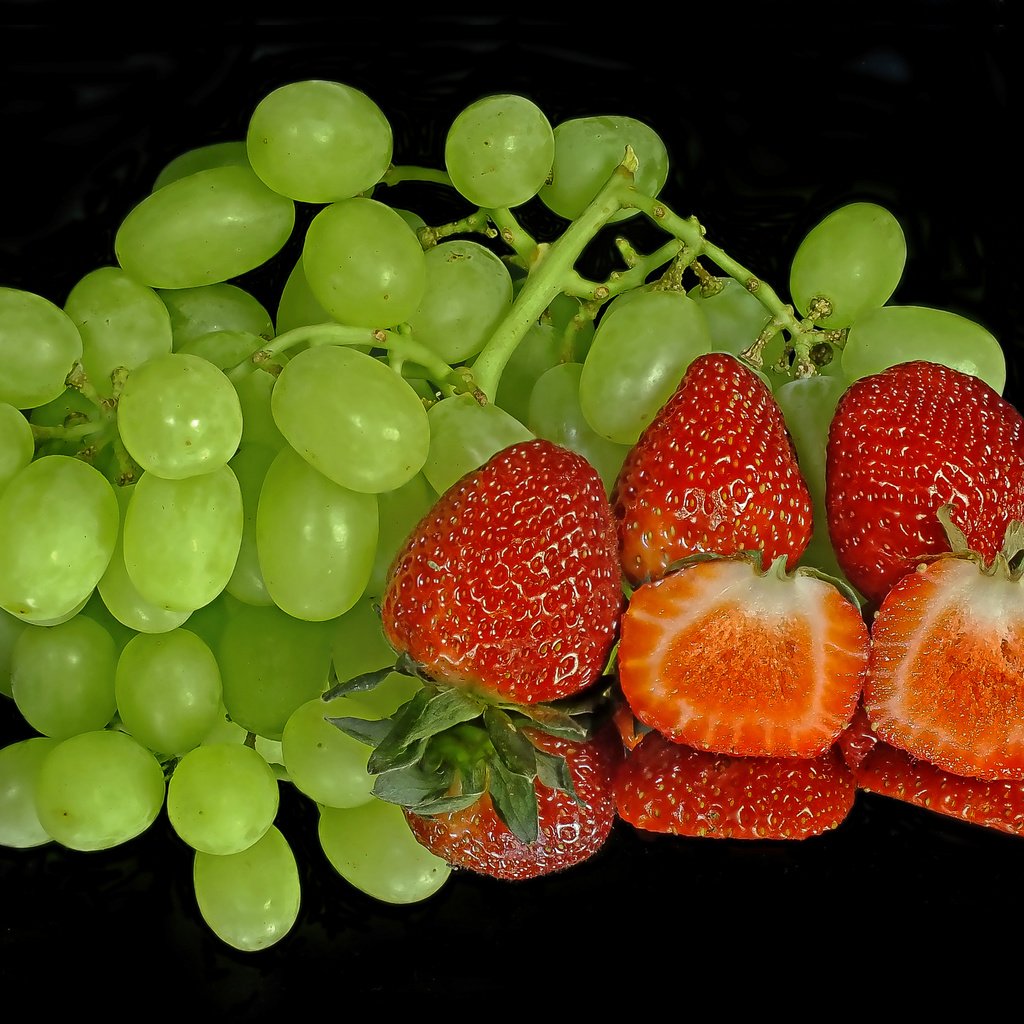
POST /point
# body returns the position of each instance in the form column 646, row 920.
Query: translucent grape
column 538, row 351
column 499, row 151
column 897, row 334
column 19, row 768
column 298, row 306
column 202, row 158
column 11, row 628
column 98, row 789
column 853, row 258
column 319, row 141
column 17, row 445
column 588, row 149
column 250, row 899
column 39, row 345
column 250, row 467
column 214, row 307
column 398, row 511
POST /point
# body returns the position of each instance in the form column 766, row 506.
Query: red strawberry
column 858, row 739
column 715, row 471
column 510, row 585
column 725, row 658
column 902, row 443
column 571, row 830
column 670, row 787
column 945, row 678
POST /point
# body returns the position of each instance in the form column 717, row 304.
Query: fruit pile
column 480, row 554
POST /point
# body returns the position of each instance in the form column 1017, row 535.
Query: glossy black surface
column 772, row 120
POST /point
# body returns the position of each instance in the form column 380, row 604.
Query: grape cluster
column 200, row 499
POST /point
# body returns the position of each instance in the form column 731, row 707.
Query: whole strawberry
column 904, row 442
column 715, row 471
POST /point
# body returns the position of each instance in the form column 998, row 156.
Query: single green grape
column 199, row 311
column 20, row 827
column 17, row 446
column 398, row 511
column 202, row 158
column 319, row 141
column 538, row 350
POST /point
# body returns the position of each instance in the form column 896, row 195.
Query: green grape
column 853, row 258
column 58, row 528
column 398, row 511
column 315, row 539
column 372, row 847
column 250, row 467
column 19, row 768
column 735, row 318
column 270, row 663
column 179, row 416
column 319, row 141
column 463, row 435
column 575, row 326
column 298, row 306
column 587, row 151
column 181, row 537
column 203, row 229
column 538, row 350
column 122, row 598
column 555, row 414
column 324, row 763
column 98, row 790
column 39, row 345
column 255, row 393
column 198, row 311
column 11, row 628
column 358, row 647
column 62, row 677
column 225, row 349
column 122, row 324
column 364, row 264
column 898, row 334
column 808, row 405
column 640, row 351
column 250, row 900
column 222, row 798
column 202, row 158
column 352, row 418
column 17, row 445
column 168, row 690
column 499, row 151
column 468, row 293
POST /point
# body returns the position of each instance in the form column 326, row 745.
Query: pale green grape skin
column 319, row 141
column 222, row 798
column 11, row 628
column 316, row 540
column 587, row 151
column 225, row 349
column 250, row 466
column 58, row 529
column 19, row 767
column 537, row 352
column 899, row 334
column 168, row 690
column 17, row 445
column 468, row 293
column 62, row 677
column 202, row 158
column 270, row 663
column 179, row 416
column 98, row 790
column 364, row 264
column 555, row 414
column 640, row 352
column 463, row 435
column 204, row 309
column 352, row 418
column 96, row 610
column 204, row 229
column 250, row 900
column 499, row 151
column 122, row 324
column 39, row 345
column 372, row 847
column 298, row 306
column 255, row 391
column 398, row 511
column 121, row 597
column 854, row 258
column 324, row 763
column 181, row 537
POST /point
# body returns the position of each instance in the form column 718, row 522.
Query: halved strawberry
column 902, row 443
column 725, row 658
column 574, row 821
column 714, row 471
column 672, row 788
column 945, row 678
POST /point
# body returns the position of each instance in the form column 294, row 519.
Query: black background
column 773, row 115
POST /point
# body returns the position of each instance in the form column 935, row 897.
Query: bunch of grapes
column 200, row 497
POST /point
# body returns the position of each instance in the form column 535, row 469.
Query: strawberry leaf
column 443, row 709
column 516, row 752
column 515, row 801
column 368, row 731
column 357, row 684
column 472, row 785
column 554, row 773
column 413, row 785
